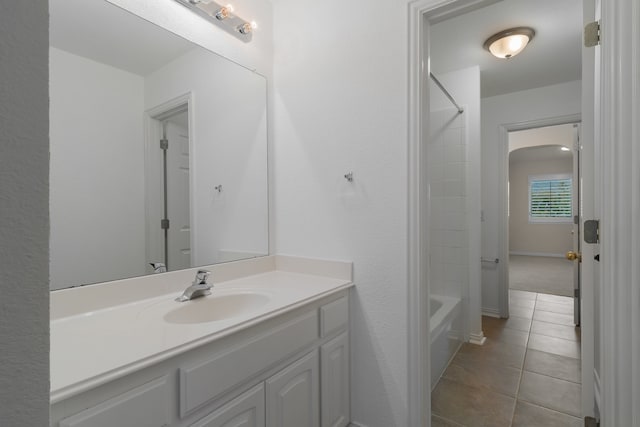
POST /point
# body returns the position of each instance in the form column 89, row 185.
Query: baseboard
column 491, row 312
column 356, row 425
column 477, row 339
column 544, row 254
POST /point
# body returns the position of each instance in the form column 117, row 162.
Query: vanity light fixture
column 247, row 27
column 224, row 12
column 508, row 43
column 222, row 16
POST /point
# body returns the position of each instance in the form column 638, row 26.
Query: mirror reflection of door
column 177, row 239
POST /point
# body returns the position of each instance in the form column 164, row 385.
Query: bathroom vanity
column 268, row 347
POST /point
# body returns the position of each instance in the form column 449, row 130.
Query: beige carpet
column 541, row 274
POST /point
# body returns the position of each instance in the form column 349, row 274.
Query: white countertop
column 93, row 347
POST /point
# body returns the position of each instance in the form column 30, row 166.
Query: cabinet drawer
column 334, row 316
column 204, row 382
column 144, row 406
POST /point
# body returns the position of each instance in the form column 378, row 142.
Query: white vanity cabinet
column 334, row 361
column 246, row 410
column 293, row 394
column 289, row 370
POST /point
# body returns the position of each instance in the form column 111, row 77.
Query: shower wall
column 454, row 178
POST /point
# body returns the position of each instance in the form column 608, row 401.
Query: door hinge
column 576, row 293
column 592, row 34
column 592, row 231
column 164, row 144
column 164, row 224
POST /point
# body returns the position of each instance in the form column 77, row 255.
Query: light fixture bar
column 221, row 16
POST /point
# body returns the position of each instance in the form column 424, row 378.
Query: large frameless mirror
column 158, row 149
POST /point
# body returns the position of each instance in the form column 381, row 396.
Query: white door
column 177, row 202
column 575, row 255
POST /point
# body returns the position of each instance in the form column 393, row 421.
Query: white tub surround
column 445, row 333
column 103, row 332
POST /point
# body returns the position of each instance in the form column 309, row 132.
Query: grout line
column 515, row 401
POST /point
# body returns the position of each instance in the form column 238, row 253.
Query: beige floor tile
column 553, row 365
column 513, row 322
column 506, row 335
column 501, row 379
column 437, row 421
column 527, row 313
column 555, row 307
column 522, row 294
column 492, row 352
column 528, row 415
column 554, row 345
column 560, row 319
column 554, row 330
column 552, row 393
column 555, row 298
column 470, row 406
column 521, row 302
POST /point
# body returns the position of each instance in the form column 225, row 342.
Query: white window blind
column 550, row 198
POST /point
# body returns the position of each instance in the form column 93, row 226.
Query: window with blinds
column 550, row 198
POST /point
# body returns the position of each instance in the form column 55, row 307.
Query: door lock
column 572, row 256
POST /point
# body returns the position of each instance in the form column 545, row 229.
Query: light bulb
column 224, row 12
column 245, row 28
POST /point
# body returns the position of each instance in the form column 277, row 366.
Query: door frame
column 153, row 172
column 617, row 119
column 503, row 200
column 618, row 21
column 418, row 358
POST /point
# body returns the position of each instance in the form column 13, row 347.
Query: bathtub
column 445, row 333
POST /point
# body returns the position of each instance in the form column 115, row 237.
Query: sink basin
column 216, row 307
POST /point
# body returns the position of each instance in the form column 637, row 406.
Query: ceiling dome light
column 508, row 43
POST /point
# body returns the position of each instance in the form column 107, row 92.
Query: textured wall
column 24, row 214
column 340, row 80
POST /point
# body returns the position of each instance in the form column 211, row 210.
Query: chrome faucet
column 158, row 267
column 199, row 287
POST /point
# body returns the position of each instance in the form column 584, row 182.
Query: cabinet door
column 334, row 382
column 292, row 395
column 246, row 410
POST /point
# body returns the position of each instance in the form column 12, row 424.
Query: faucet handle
column 158, row 267
column 201, row 277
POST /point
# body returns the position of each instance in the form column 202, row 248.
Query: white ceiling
column 552, row 57
column 541, row 143
column 547, row 152
column 103, row 32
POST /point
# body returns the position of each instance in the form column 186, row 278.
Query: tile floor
column 526, row 375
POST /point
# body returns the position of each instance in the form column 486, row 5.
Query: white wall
column 24, row 214
column 454, row 171
column 518, row 107
column 229, row 148
column 341, row 106
column 552, row 239
column 169, row 14
column 97, row 151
